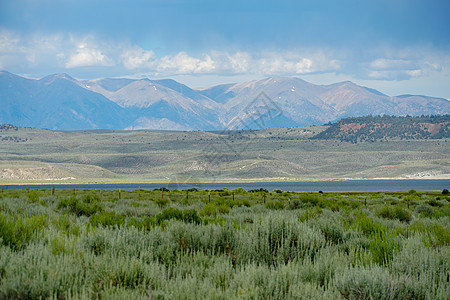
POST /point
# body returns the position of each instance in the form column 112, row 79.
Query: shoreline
column 259, row 180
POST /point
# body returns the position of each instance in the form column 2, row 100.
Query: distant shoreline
column 261, row 180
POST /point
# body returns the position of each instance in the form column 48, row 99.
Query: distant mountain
column 56, row 102
column 61, row 102
column 307, row 104
column 363, row 129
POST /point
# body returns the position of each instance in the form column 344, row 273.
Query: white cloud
column 391, row 64
column 395, row 74
column 221, row 62
column 296, row 64
column 182, row 63
column 138, row 58
column 9, row 42
column 402, row 68
column 88, row 54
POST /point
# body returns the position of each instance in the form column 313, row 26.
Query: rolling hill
column 380, row 128
column 37, row 155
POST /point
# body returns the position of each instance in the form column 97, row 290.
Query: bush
column 309, row 214
column 402, row 214
column 188, row 216
column 362, row 283
column 445, row 192
column 145, row 223
column 425, row 210
column 434, row 202
column 191, row 216
column 295, row 204
column 278, row 205
column 91, row 198
column 368, row 226
column 394, row 213
column 33, row 196
column 382, row 248
column 309, row 199
column 258, row 190
column 208, row 210
column 107, row 219
column 169, row 214
column 162, row 202
column 89, row 206
column 17, row 232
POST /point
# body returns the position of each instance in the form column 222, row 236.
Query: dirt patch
column 37, row 173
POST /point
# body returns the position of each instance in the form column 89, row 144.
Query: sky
column 395, row 46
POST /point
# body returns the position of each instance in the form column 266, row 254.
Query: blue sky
column 396, row 46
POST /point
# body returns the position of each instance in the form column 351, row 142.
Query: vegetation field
column 223, row 244
column 35, row 155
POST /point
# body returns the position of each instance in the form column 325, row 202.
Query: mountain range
column 60, row 102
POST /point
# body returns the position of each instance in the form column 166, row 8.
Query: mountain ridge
column 60, row 101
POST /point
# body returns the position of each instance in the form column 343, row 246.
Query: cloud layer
column 23, row 53
column 38, row 55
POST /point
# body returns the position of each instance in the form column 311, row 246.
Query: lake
column 299, row 186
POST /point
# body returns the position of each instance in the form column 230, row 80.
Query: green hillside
column 359, row 129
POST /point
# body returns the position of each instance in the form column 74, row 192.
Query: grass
column 91, row 244
column 164, row 156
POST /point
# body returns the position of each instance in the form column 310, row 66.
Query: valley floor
column 32, row 155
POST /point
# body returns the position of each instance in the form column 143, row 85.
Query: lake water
column 300, row 186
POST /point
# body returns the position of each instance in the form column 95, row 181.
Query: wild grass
column 93, row 245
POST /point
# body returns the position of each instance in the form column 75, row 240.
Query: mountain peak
column 58, row 76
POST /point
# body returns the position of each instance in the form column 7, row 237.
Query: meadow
column 223, row 244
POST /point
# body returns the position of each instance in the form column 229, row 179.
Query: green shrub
column 16, row 232
column 401, row 214
column 145, row 223
column 295, row 204
column 331, row 228
column 258, row 190
column 365, row 283
column 222, row 209
column 169, row 214
column 394, row 213
column 368, row 226
column 107, row 219
column 438, row 236
column 67, row 225
column 90, row 198
column 219, row 206
column 425, row 210
column 33, row 196
column 97, row 242
column 191, row 216
column 79, row 208
column 277, row 205
column 434, row 202
column 331, row 204
column 208, row 210
column 162, row 202
column 309, row 199
column 383, row 247
column 445, row 192
column 310, row 214
column 188, row 216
